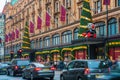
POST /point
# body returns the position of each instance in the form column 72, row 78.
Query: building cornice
column 104, row 13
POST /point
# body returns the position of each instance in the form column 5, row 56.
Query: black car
column 3, row 67
column 16, row 66
column 81, row 70
column 114, row 73
column 36, row 70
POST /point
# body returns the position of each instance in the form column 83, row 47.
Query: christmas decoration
column 85, row 18
column 26, row 40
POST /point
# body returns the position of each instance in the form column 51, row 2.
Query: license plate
column 98, row 75
column 22, row 66
column 45, row 69
column 4, row 69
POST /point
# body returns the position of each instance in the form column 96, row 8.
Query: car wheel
column 79, row 78
column 12, row 73
column 23, row 76
column 51, row 78
column 31, row 77
column 8, row 73
column 62, row 78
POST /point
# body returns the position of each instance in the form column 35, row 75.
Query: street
column 5, row 77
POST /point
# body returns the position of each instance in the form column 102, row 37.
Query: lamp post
column 106, row 48
column 11, row 52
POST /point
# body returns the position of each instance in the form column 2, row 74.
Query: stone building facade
column 59, row 41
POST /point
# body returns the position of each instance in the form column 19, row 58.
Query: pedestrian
column 108, row 62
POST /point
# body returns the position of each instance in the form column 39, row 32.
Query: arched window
column 66, row 37
column 19, row 46
column 67, row 18
column 100, row 28
column 117, row 3
column 32, row 44
column 56, row 39
column 56, row 6
column 112, row 27
column 40, row 43
column 14, row 48
column 37, row 44
column 76, row 34
column 7, row 51
column 46, row 41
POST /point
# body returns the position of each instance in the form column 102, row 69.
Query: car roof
column 36, row 63
column 19, row 59
column 88, row 60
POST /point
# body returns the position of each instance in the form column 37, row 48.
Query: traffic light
column 11, row 54
column 20, row 50
column 19, row 53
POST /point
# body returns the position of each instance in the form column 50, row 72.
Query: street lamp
column 4, row 36
column 11, row 52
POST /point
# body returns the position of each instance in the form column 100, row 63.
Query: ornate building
column 58, row 39
column 2, row 39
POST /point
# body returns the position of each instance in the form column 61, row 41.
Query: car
column 114, row 73
column 16, row 66
column 81, row 70
column 3, row 67
column 37, row 70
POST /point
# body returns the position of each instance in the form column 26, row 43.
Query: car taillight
column 16, row 67
column 53, row 68
column 37, row 69
column 108, row 69
column 87, row 71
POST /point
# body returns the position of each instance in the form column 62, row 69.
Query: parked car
column 37, row 70
column 113, row 75
column 16, row 66
column 3, row 67
column 81, row 70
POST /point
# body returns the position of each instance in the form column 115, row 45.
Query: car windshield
column 39, row 65
column 23, row 62
column 3, row 65
column 115, row 67
column 93, row 64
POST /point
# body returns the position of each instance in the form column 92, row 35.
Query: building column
column 50, row 40
column 106, row 28
column 60, row 38
column 72, row 34
column 118, row 25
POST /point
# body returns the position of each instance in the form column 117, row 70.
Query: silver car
column 36, row 70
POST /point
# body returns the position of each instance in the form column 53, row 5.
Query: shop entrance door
column 96, row 51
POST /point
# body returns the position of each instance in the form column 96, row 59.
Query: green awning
column 42, row 52
column 66, row 49
column 38, row 53
column 55, row 50
column 7, row 56
column 79, row 47
column 26, row 54
column 113, row 43
column 52, row 51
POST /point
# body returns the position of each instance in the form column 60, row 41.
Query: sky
column 2, row 3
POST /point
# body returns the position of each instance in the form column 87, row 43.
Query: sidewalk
column 57, row 75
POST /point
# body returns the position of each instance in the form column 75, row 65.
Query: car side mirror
column 66, row 68
column 9, row 63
